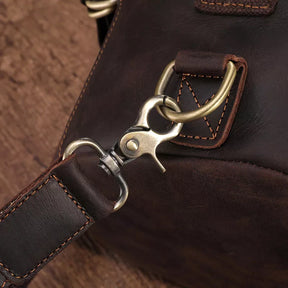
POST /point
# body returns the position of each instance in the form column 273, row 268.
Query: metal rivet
column 132, row 145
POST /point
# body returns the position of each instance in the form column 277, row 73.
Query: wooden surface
column 46, row 51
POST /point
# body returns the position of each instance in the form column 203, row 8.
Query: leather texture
column 134, row 71
column 204, row 223
column 192, row 62
column 218, row 217
column 193, row 70
column 237, row 7
column 44, row 219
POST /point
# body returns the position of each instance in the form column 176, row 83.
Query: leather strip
column 43, row 219
column 199, row 76
column 191, row 62
column 237, row 7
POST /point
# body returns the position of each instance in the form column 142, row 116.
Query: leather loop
column 199, row 77
column 192, row 62
column 94, row 202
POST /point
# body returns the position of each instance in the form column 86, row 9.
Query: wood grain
column 46, row 51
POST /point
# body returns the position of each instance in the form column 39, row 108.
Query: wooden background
column 46, row 51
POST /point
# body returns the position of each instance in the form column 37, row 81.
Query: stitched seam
column 203, row 76
column 60, row 246
column 27, row 197
column 89, row 77
column 214, row 134
column 225, row 4
column 198, row 104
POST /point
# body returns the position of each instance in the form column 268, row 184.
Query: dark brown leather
column 237, row 7
column 43, row 219
column 205, row 223
column 192, row 68
column 198, row 62
column 219, row 219
column 252, row 127
column 212, row 220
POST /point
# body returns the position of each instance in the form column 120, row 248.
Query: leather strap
column 192, row 62
column 44, row 218
column 237, row 7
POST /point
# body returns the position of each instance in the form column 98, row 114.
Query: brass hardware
column 108, row 162
column 141, row 139
column 204, row 110
column 164, row 79
column 132, row 145
column 138, row 140
column 99, row 5
column 100, row 13
column 99, row 9
column 73, row 146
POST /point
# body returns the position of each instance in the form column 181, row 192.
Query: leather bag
column 217, row 217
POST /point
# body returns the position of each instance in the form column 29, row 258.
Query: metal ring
column 204, row 110
column 157, row 101
column 100, row 13
column 99, row 5
column 99, row 9
column 73, row 146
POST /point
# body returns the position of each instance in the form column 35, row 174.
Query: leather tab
column 45, row 218
column 192, row 62
column 237, row 7
column 199, row 78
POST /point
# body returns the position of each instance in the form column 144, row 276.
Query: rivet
column 132, row 145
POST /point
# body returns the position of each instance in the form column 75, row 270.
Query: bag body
column 218, row 216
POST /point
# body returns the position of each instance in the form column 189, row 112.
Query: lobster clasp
column 141, row 139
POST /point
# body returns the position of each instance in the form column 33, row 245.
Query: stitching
column 27, row 197
column 89, row 77
column 65, row 242
column 203, row 76
column 199, row 105
column 71, row 197
column 235, row 5
column 8, row 206
column 222, row 115
column 180, row 89
column 213, row 134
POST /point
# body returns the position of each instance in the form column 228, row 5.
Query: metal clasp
column 141, row 139
column 138, row 140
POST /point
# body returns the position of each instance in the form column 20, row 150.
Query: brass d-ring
column 99, row 9
column 213, row 104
